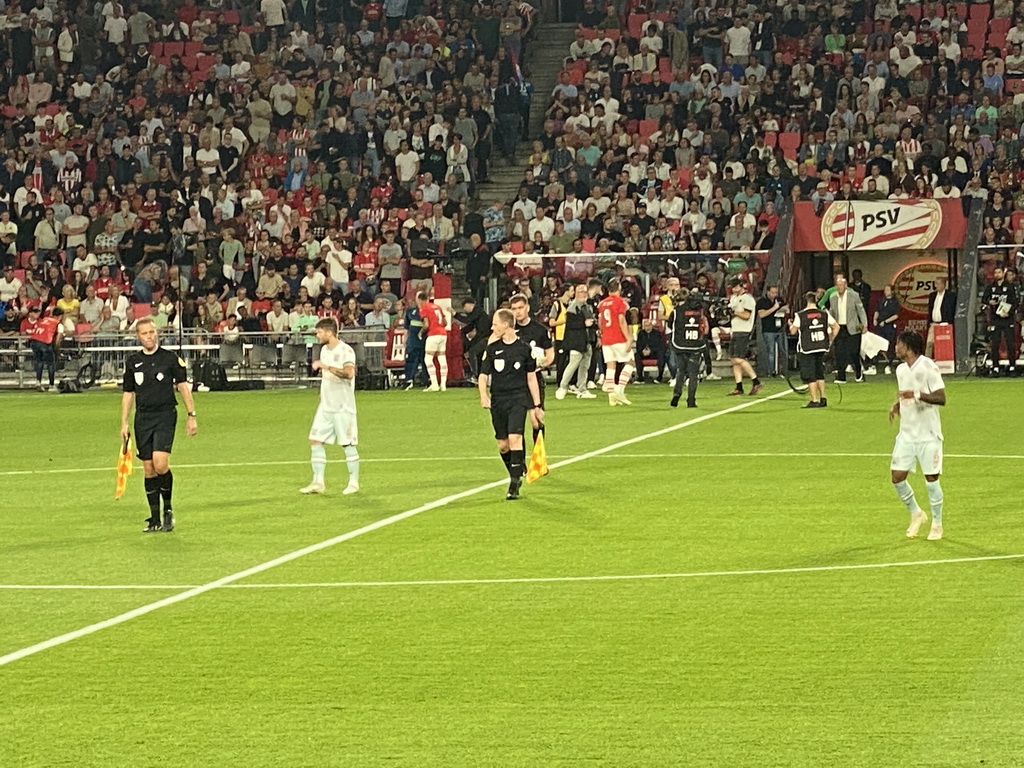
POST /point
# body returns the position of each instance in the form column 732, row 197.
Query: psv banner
column 884, row 225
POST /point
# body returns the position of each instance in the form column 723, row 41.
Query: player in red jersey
column 42, row 332
column 436, row 328
column 616, row 343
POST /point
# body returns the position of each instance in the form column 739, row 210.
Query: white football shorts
column 618, row 353
column 334, row 428
column 907, row 454
column 436, row 345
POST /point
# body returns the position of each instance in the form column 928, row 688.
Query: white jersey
column 337, row 395
column 919, row 421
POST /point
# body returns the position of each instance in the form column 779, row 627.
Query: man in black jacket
column 941, row 309
column 650, row 345
column 1001, row 301
column 578, row 344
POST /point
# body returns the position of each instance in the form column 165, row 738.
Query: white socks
column 318, row 459
column 352, row 462
column 906, row 494
column 935, row 499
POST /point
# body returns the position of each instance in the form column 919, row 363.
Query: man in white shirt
column 9, row 284
column 737, row 39
column 743, row 306
column 313, row 281
column 542, row 223
column 919, row 442
column 524, row 204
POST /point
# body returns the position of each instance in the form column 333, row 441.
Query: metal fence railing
column 283, row 357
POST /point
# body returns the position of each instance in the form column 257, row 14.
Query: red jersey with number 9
column 433, row 316
column 609, row 310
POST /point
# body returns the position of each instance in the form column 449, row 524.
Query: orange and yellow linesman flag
column 538, row 466
column 125, row 467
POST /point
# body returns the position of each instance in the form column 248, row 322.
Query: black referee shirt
column 154, row 378
column 507, row 365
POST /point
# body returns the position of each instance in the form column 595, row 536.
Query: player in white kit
column 919, row 442
column 335, row 419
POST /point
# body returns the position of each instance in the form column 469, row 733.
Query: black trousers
column 847, row 353
column 999, row 334
column 689, row 369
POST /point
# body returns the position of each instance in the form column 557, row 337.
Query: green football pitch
column 714, row 587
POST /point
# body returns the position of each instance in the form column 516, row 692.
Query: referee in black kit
column 508, row 369
column 150, row 378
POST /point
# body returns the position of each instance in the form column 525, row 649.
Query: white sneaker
column 409, row 386
column 622, row 399
column 560, row 394
column 444, row 387
column 312, row 488
column 351, row 488
column 585, row 395
column 672, row 382
column 612, row 400
column 591, row 385
column 713, row 377
column 936, row 532
column 917, row 519
column 860, row 379
column 432, row 388
column 871, row 371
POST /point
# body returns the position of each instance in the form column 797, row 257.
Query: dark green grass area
column 893, row 666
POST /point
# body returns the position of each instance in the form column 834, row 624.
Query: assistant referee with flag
column 150, row 378
column 508, row 388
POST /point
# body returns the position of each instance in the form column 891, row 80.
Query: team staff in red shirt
column 44, row 335
column 616, row 342
column 436, row 328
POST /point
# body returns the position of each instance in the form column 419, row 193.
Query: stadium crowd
column 203, row 163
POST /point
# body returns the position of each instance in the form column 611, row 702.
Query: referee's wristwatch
column 535, row 405
column 191, row 414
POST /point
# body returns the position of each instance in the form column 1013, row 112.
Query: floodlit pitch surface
column 469, row 632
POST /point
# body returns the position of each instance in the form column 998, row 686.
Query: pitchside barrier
column 275, row 358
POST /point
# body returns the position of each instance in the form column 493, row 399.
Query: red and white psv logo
column 886, row 225
column 914, row 282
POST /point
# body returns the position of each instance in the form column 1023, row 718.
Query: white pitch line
column 538, row 579
column 327, row 543
column 401, row 459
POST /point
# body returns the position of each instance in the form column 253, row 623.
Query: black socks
column 153, row 496
column 166, row 485
column 516, row 463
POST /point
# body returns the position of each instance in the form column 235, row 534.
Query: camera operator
column 688, row 333
column 771, row 310
column 702, row 290
column 743, row 306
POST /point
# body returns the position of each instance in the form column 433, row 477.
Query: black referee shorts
column 154, row 432
column 508, row 417
column 812, row 366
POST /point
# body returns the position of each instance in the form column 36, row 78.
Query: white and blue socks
column 906, row 494
column 935, row 499
column 318, row 460
column 352, row 462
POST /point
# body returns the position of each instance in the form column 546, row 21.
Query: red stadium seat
column 961, row 10
column 1014, row 85
column 261, row 305
column 647, row 127
column 914, row 11
column 790, row 140
column 1017, row 218
column 589, row 34
column 174, row 49
column 516, row 247
column 685, row 177
column 193, row 48
column 635, row 25
column 771, row 138
column 231, row 17
column 156, row 49
column 83, row 332
column 996, row 40
column 589, row 245
column 979, row 11
column 141, row 310
column 613, row 34
column 999, row 25
column 20, row 274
